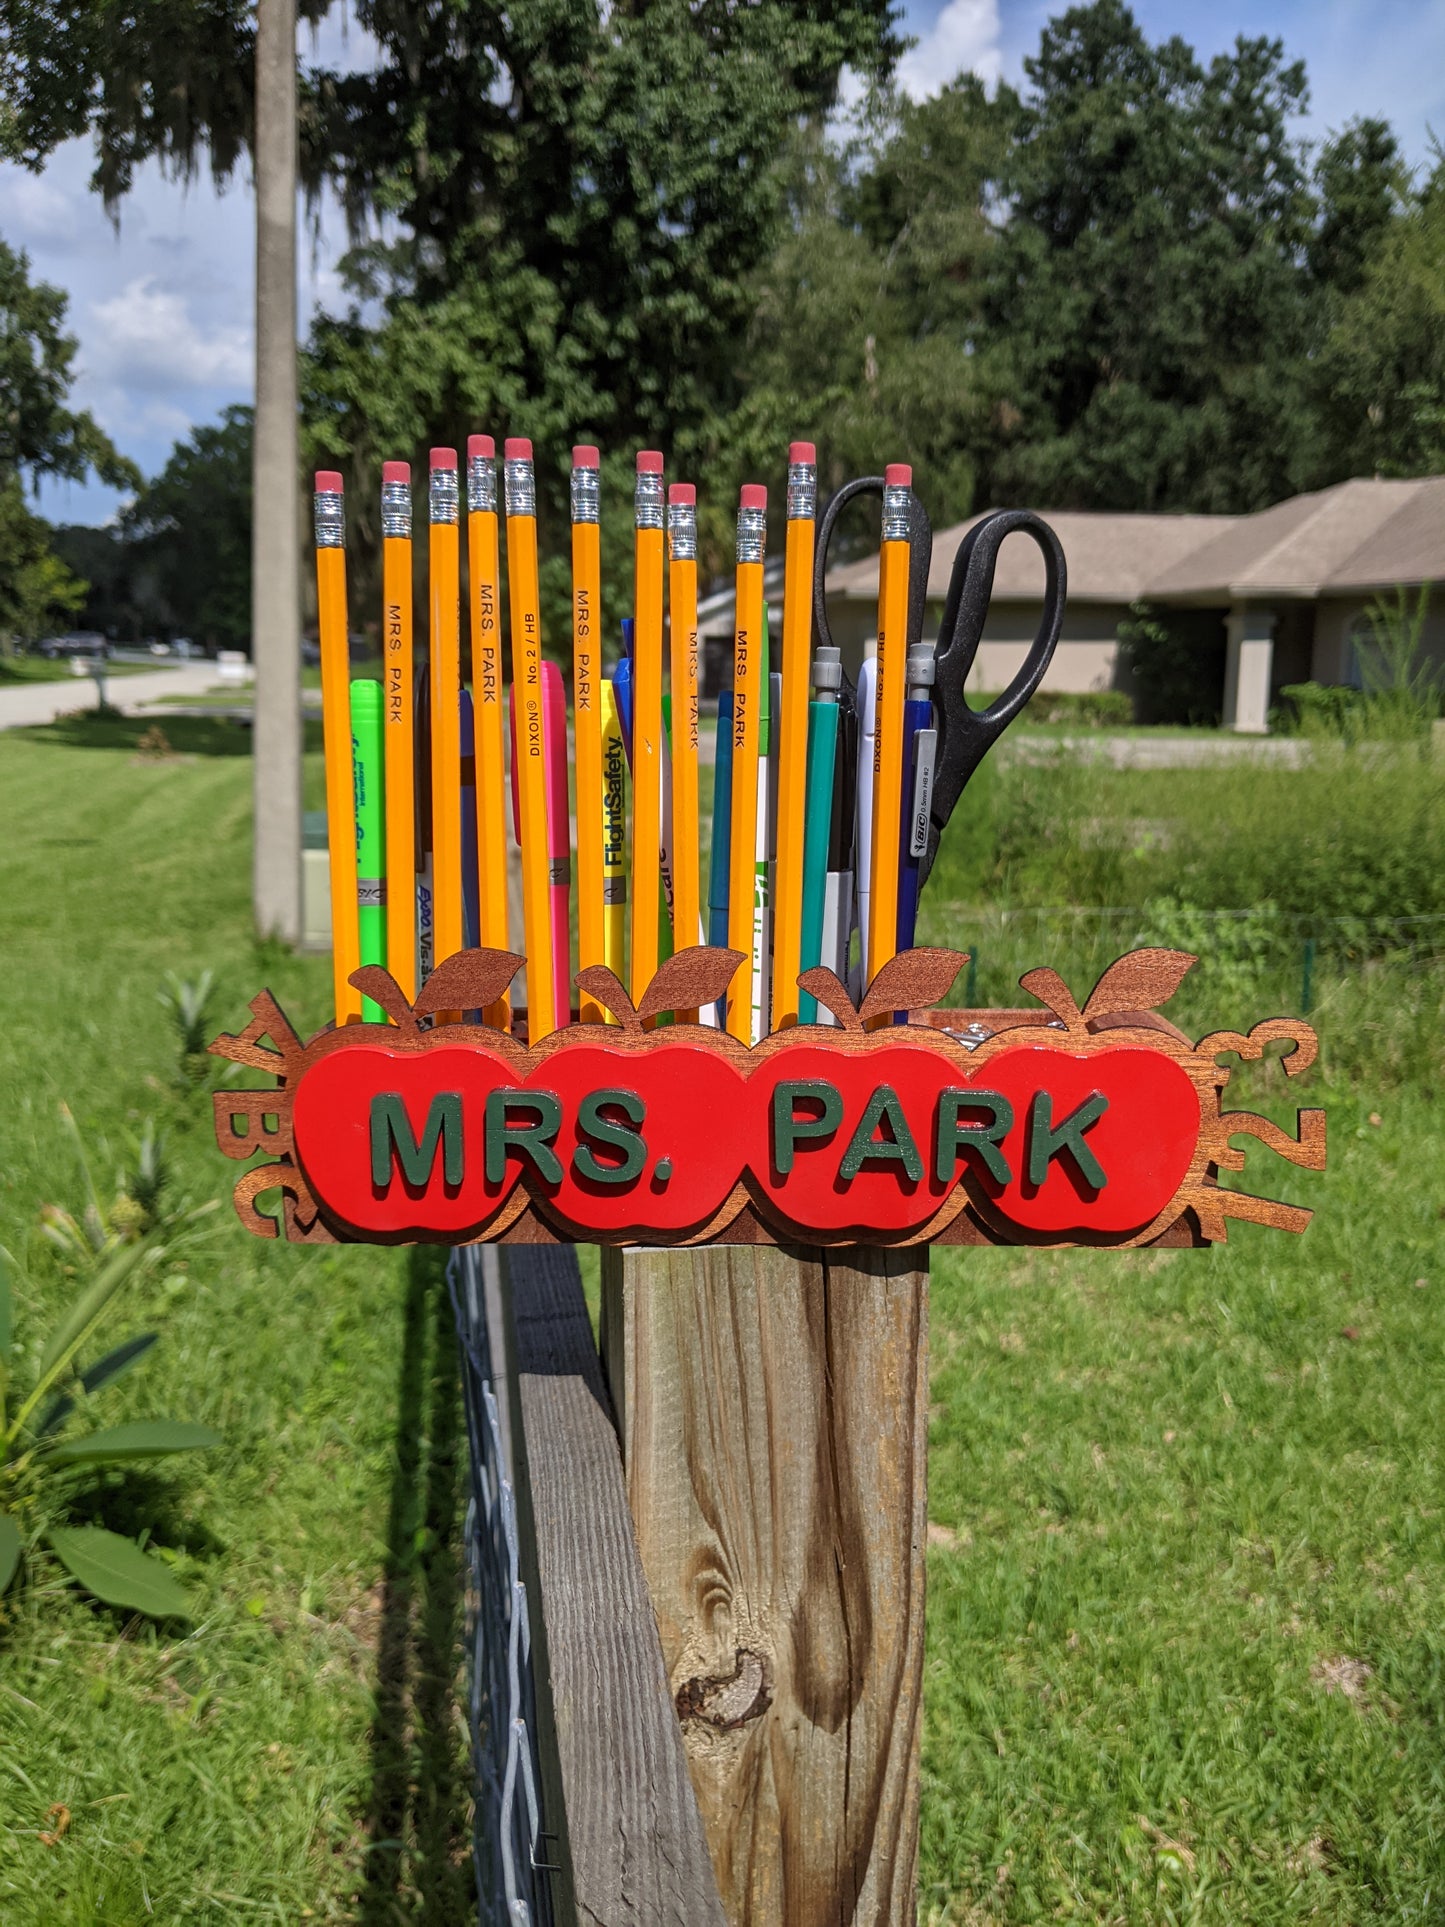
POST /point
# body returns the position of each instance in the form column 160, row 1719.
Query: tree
column 39, row 435
column 188, row 536
column 1381, row 374
column 1147, row 320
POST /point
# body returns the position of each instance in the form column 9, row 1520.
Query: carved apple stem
column 1049, row 987
column 382, row 988
column 603, row 984
column 830, row 991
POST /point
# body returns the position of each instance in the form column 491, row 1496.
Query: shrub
column 1177, row 660
column 1082, row 708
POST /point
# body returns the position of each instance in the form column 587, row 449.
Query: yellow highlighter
column 446, row 707
column 531, row 755
column 888, row 734
column 748, row 672
column 614, row 841
column 587, row 717
column 647, row 721
column 399, row 724
column 791, row 732
column 488, row 706
column 329, row 510
column 682, row 619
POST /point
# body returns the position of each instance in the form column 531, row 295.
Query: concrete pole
column 275, row 536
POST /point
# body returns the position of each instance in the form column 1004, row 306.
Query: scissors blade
column 965, row 735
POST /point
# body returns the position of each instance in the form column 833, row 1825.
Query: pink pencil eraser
column 585, row 456
column 480, row 448
column 444, row 458
column 802, row 452
column 395, row 472
column 328, row 482
column 649, row 461
column 752, row 495
column 683, row 494
column 517, row 448
column 898, row 475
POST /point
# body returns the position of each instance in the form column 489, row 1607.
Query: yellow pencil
column 682, row 618
column 888, row 732
column 531, row 755
column 747, row 704
column 488, row 705
column 329, row 511
column 792, row 729
column 647, row 721
column 399, row 724
column 587, row 716
column 446, row 709
column 614, row 840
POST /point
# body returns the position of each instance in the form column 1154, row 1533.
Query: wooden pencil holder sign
column 1093, row 1125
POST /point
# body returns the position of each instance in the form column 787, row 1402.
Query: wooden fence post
column 773, row 1407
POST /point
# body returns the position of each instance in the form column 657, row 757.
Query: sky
column 162, row 306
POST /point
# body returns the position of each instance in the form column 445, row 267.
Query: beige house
column 1282, row 591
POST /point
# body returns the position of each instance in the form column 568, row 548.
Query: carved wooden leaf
column 689, row 979
column 1141, row 981
column 607, row 987
column 469, row 980
column 1049, row 987
column 913, row 980
column 832, row 993
column 382, row 988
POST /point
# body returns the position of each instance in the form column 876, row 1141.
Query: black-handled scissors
column 965, row 735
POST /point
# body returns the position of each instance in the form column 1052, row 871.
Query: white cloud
column 965, row 36
column 145, row 338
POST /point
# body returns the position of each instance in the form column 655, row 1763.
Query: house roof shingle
column 1359, row 535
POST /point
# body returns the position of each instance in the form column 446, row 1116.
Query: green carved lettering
column 788, row 1127
column 532, row 1140
column 617, row 1137
column 392, row 1137
column 864, row 1148
column 985, row 1138
column 1048, row 1141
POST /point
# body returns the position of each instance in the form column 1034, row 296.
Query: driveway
column 29, row 703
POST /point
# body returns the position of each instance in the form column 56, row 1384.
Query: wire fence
column 508, row 1837
column 1247, row 947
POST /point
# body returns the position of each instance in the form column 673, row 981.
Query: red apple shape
column 1143, row 1139
column 798, row 1170
column 651, row 1140
column 438, row 1088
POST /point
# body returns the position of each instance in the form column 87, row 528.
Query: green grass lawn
column 16, row 669
column 1186, row 1651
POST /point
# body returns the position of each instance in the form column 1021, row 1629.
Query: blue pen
column 722, row 816
column 920, row 749
column 622, row 688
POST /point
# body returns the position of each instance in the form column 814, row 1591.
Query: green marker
column 822, row 760
column 366, row 770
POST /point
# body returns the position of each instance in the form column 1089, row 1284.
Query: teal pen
column 818, row 811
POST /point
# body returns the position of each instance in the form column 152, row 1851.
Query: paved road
column 29, row 703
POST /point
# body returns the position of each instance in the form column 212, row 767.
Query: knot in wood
column 725, row 1701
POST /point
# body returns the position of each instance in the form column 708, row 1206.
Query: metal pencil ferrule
column 444, row 498
column 396, row 508
column 682, row 531
column 649, row 500
column 521, row 484
column 586, row 495
column 328, row 512
column 802, row 491
column 481, row 485
column 896, row 503
column 752, row 534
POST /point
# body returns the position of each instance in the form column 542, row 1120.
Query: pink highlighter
column 559, row 827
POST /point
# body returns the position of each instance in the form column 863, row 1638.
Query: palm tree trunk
column 275, row 542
